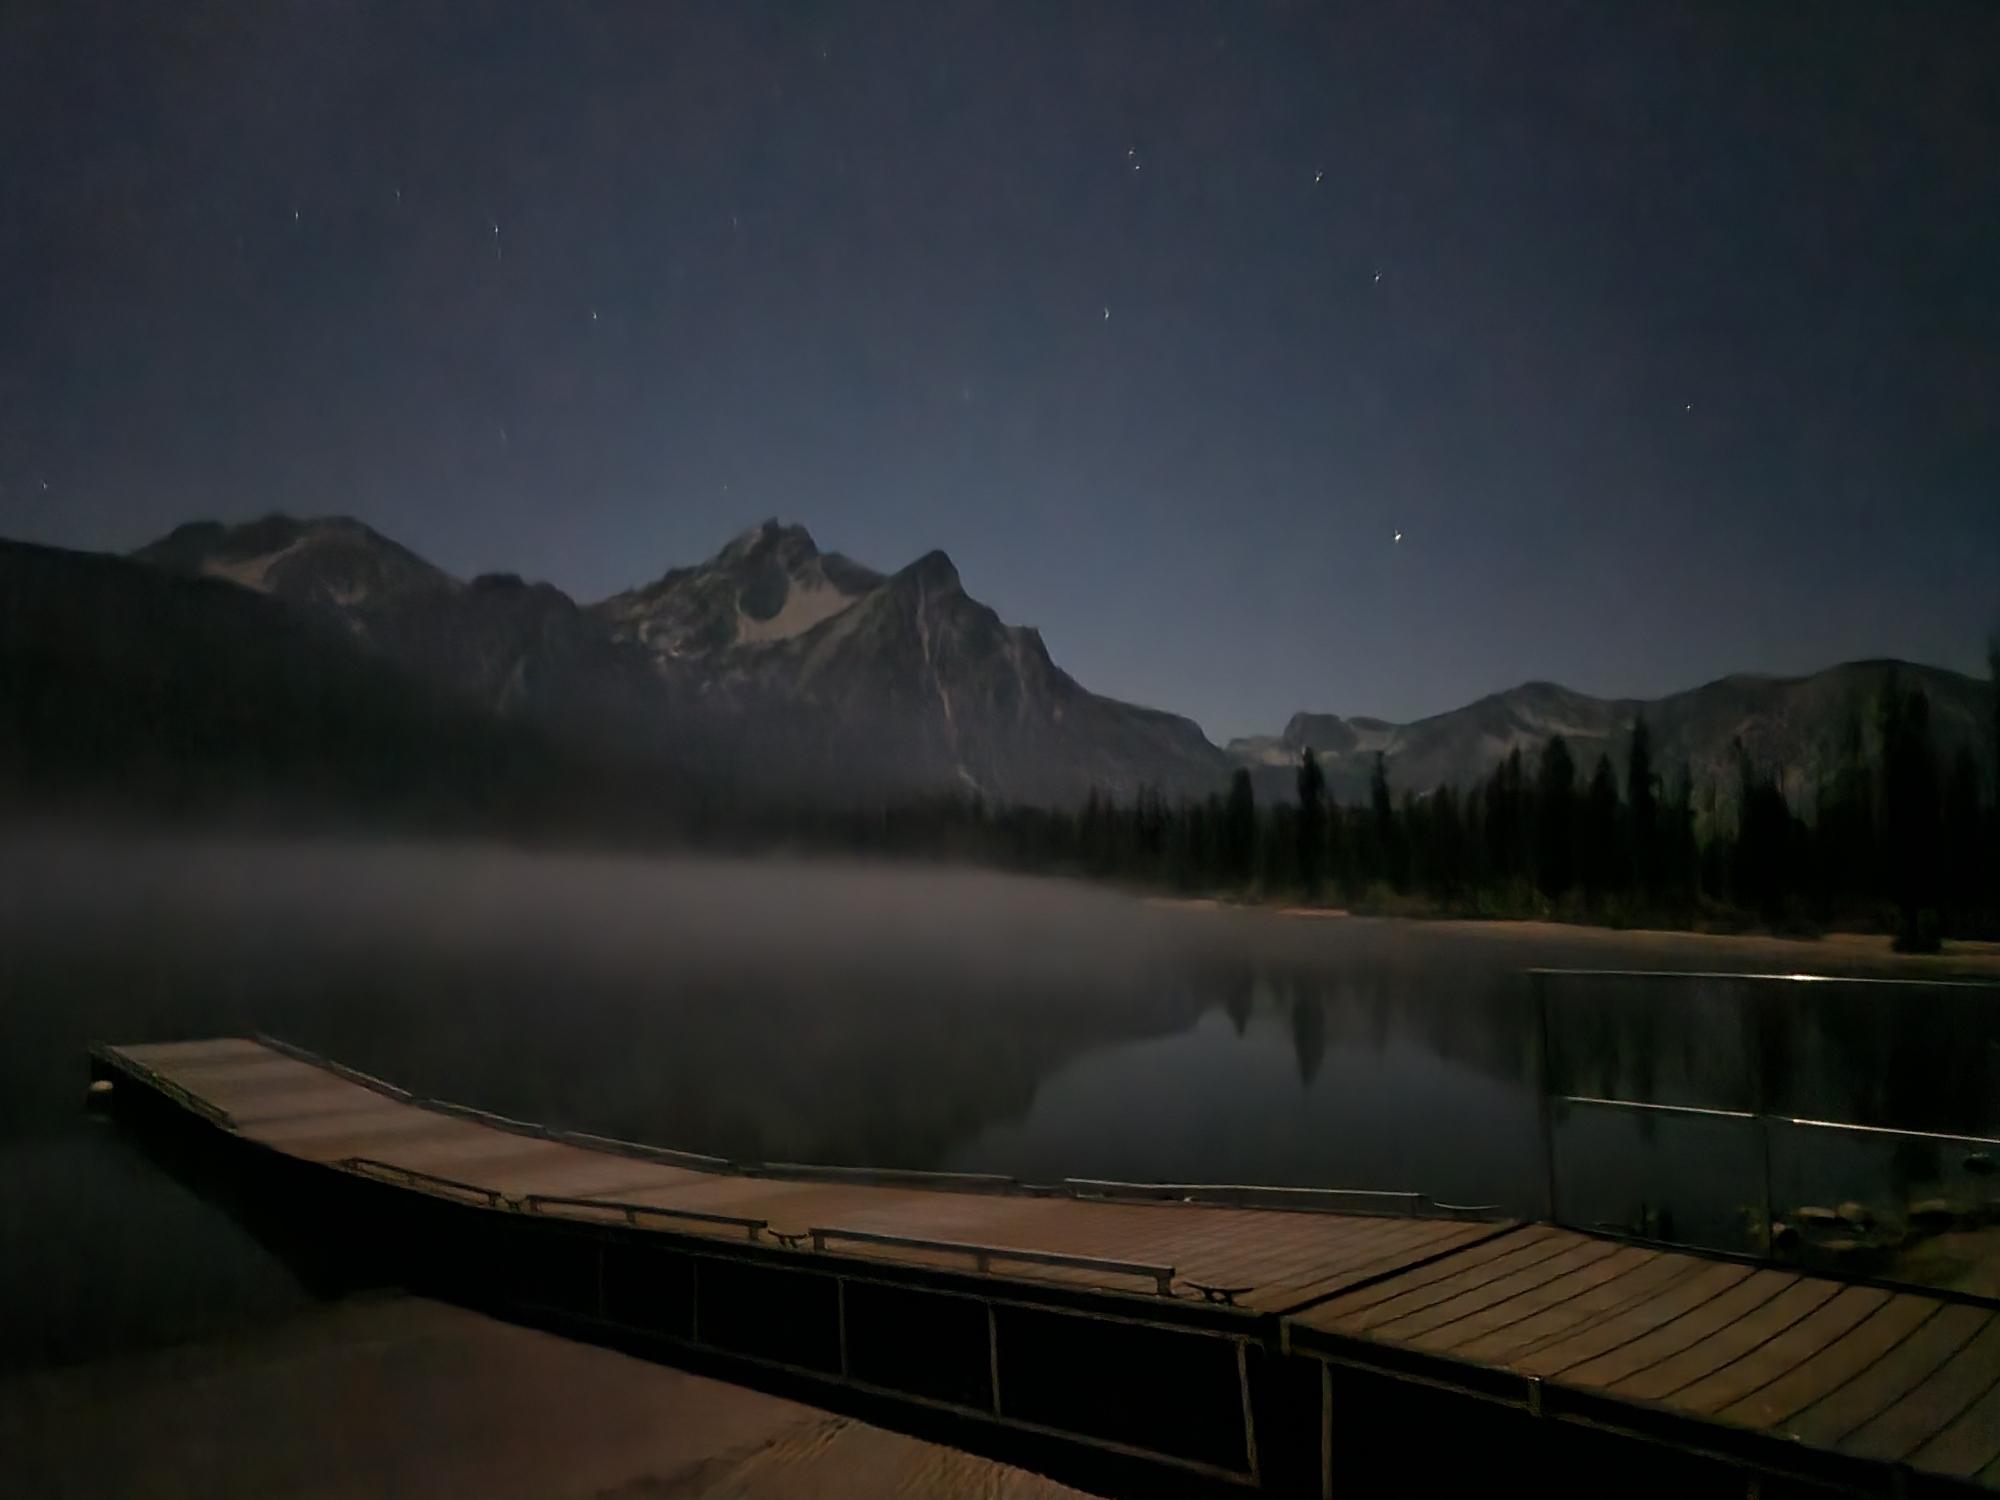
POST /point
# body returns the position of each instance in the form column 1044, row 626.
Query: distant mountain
column 127, row 686
column 1801, row 728
column 772, row 668
column 774, row 674
column 520, row 650
column 838, row 678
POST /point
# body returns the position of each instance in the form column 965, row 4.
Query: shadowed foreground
column 402, row 1396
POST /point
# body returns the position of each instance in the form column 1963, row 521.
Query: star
column 1107, row 315
column 1378, row 275
column 1689, row 406
column 593, row 315
column 295, row 216
column 1399, row 536
column 1320, row 175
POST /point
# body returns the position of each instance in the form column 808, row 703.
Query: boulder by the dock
column 1933, row 1214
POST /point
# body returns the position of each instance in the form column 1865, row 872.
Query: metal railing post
column 1545, row 1096
column 1764, row 1230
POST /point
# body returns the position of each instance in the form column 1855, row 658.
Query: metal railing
column 635, row 1213
column 429, row 1182
column 1257, row 1195
column 1765, row 1127
column 886, row 1176
column 983, row 1256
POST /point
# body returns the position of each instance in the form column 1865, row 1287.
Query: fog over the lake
column 791, row 1009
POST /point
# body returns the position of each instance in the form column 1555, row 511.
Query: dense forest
column 1902, row 839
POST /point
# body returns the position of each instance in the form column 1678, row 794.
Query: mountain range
column 772, row 668
column 1799, row 728
column 778, row 673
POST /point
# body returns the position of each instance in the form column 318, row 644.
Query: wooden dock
column 1265, row 1339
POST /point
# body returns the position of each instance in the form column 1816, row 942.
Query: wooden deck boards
column 1881, row 1375
column 1278, row 1260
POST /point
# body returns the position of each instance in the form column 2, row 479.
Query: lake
column 907, row 1016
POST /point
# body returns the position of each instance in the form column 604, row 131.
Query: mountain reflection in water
column 885, row 1015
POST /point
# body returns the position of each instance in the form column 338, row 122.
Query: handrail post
column 1765, row 1230
column 1544, row 1089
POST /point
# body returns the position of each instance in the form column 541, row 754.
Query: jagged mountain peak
column 934, row 570
column 769, row 583
column 768, row 538
column 335, row 562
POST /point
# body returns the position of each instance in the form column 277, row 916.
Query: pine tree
column 1910, row 814
column 1963, row 838
column 1555, row 819
column 1642, row 795
column 1506, row 849
column 1390, row 862
column 1600, row 832
column 1761, row 872
column 1240, row 829
column 1311, row 822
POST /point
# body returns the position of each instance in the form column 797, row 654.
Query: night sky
column 1667, row 337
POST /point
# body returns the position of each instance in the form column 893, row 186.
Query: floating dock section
column 1292, row 1342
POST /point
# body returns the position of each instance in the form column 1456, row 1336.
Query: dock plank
column 1933, row 1405
column 1398, row 1309
column 1331, row 1280
column 1735, row 1337
column 1787, row 1394
column 1431, row 1325
column 1789, row 1350
column 1524, row 1303
column 1890, row 1378
column 1969, row 1444
column 1687, row 1327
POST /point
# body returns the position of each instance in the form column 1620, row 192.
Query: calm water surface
column 910, row 1016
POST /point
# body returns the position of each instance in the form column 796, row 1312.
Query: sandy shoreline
column 1847, row 954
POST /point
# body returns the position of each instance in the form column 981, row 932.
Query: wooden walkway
column 1519, row 1313
column 1892, row 1377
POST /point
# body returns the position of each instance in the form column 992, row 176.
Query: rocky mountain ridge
column 797, row 673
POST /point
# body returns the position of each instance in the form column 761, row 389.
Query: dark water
column 908, row 1016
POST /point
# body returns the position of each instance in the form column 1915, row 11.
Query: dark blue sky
column 1668, row 336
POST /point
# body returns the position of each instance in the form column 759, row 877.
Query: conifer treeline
column 1908, row 841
